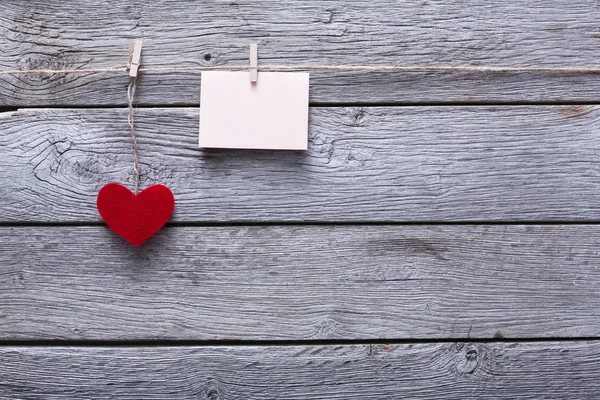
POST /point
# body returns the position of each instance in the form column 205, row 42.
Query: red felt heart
column 136, row 218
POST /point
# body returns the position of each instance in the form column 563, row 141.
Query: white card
column 269, row 114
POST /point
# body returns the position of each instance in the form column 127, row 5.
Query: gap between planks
column 311, row 104
column 208, row 224
column 281, row 343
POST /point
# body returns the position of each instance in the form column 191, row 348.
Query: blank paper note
column 269, row 114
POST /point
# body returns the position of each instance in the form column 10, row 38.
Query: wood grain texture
column 46, row 34
column 301, row 283
column 396, row 164
column 548, row 370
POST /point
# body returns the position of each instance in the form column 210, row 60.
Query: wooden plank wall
column 439, row 238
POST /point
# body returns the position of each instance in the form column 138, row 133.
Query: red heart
column 135, row 217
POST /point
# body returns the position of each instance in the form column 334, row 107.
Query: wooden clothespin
column 253, row 63
column 135, row 59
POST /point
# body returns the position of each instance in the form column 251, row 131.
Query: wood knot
column 471, row 355
column 357, row 116
column 469, row 358
column 212, row 390
column 210, row 57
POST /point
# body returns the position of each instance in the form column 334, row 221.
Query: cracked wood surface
column 391, row 164
column 301, row 283
column 192, row 34
column 548, row 370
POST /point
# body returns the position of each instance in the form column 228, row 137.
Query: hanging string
column 136, row 167
column 402, row 68
column 374, row 68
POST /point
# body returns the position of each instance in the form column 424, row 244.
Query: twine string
column 136, row 166
column 374, row 68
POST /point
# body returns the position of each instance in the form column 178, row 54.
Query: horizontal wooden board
column 548, row 370
column 398, row 164
column 301, row 283
column 60, row 35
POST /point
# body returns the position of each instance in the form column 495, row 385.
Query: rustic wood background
column 438, row 239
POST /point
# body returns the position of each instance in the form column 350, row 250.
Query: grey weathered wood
column 48, row 34
column 298, row 283
column 548, row 370
column 363, row 164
